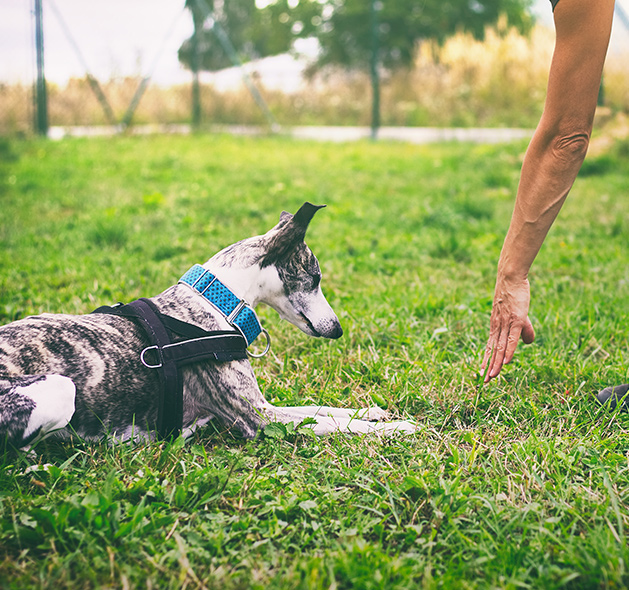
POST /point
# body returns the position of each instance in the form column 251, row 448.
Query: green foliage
column 615, row 159
column 253, row 33
column 344, row 29
column 290, row 431
column 519, row 484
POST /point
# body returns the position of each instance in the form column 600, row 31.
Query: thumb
column 528, row 332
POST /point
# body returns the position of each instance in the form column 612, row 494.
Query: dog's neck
column 250, row 283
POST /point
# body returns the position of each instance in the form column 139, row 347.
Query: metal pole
column 143, row 85
column 41, row 100
column 195, row 63
column 373, row 64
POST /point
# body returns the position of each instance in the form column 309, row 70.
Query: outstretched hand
column 509, row 323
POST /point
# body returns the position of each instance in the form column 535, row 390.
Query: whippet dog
column 101, row 374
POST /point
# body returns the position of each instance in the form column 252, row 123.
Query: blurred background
column 82, row 67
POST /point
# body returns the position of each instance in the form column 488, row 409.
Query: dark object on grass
column 612, row 396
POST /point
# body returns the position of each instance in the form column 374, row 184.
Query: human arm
column 550, row 166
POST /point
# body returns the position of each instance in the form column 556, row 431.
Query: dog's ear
column 303, row 216
column 295, row 226
column 291, row 232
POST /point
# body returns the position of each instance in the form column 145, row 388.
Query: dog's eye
column 316, row 280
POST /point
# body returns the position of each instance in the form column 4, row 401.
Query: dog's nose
column 336, row 332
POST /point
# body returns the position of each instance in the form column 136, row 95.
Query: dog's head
column 286, row 273
column 301, row 302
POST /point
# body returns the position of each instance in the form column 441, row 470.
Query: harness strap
column 170, row 410
column 220, row 346
column 167, row 356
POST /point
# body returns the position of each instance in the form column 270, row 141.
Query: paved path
column 417, row 135
column 412, row 134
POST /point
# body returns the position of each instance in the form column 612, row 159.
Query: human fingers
column 494, row 350
column 503, row 356
column 489, row 352
column 487, row 361
column 528, row 332
column 492, row 339
column 500, row 346
column 515, row 333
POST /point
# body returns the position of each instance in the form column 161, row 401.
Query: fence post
column 41, row 99
column 376, row 5
column 195, row 63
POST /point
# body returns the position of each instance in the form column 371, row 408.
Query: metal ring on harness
column 147, row 365
column 268, row 346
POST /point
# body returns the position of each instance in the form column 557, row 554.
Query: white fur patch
column 54, row 404
column 329, row 424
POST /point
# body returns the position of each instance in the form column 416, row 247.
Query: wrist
column 512, row 273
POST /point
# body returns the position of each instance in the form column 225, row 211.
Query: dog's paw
column 373, row 414
column 401, row 427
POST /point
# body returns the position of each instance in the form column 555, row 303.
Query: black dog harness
column 174, row 343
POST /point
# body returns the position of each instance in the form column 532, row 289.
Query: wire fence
column 116, row 64
column 113, row 65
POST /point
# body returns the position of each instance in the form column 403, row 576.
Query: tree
column 361, row 34
column 344, row 27
column 253, row 32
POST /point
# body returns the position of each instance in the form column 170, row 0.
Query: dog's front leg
column 329, row 420
column 188, row 431
column 372, row 414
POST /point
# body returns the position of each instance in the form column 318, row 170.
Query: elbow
column 570, row 147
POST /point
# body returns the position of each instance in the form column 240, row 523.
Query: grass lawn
column 523, row 483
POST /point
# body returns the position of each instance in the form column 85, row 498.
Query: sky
column 122, row 37
column 116, row 37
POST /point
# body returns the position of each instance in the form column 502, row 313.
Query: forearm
column 550, row 166
column 560, row 142
column 549, row 169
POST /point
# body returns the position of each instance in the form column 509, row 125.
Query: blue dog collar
column 236, row 311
